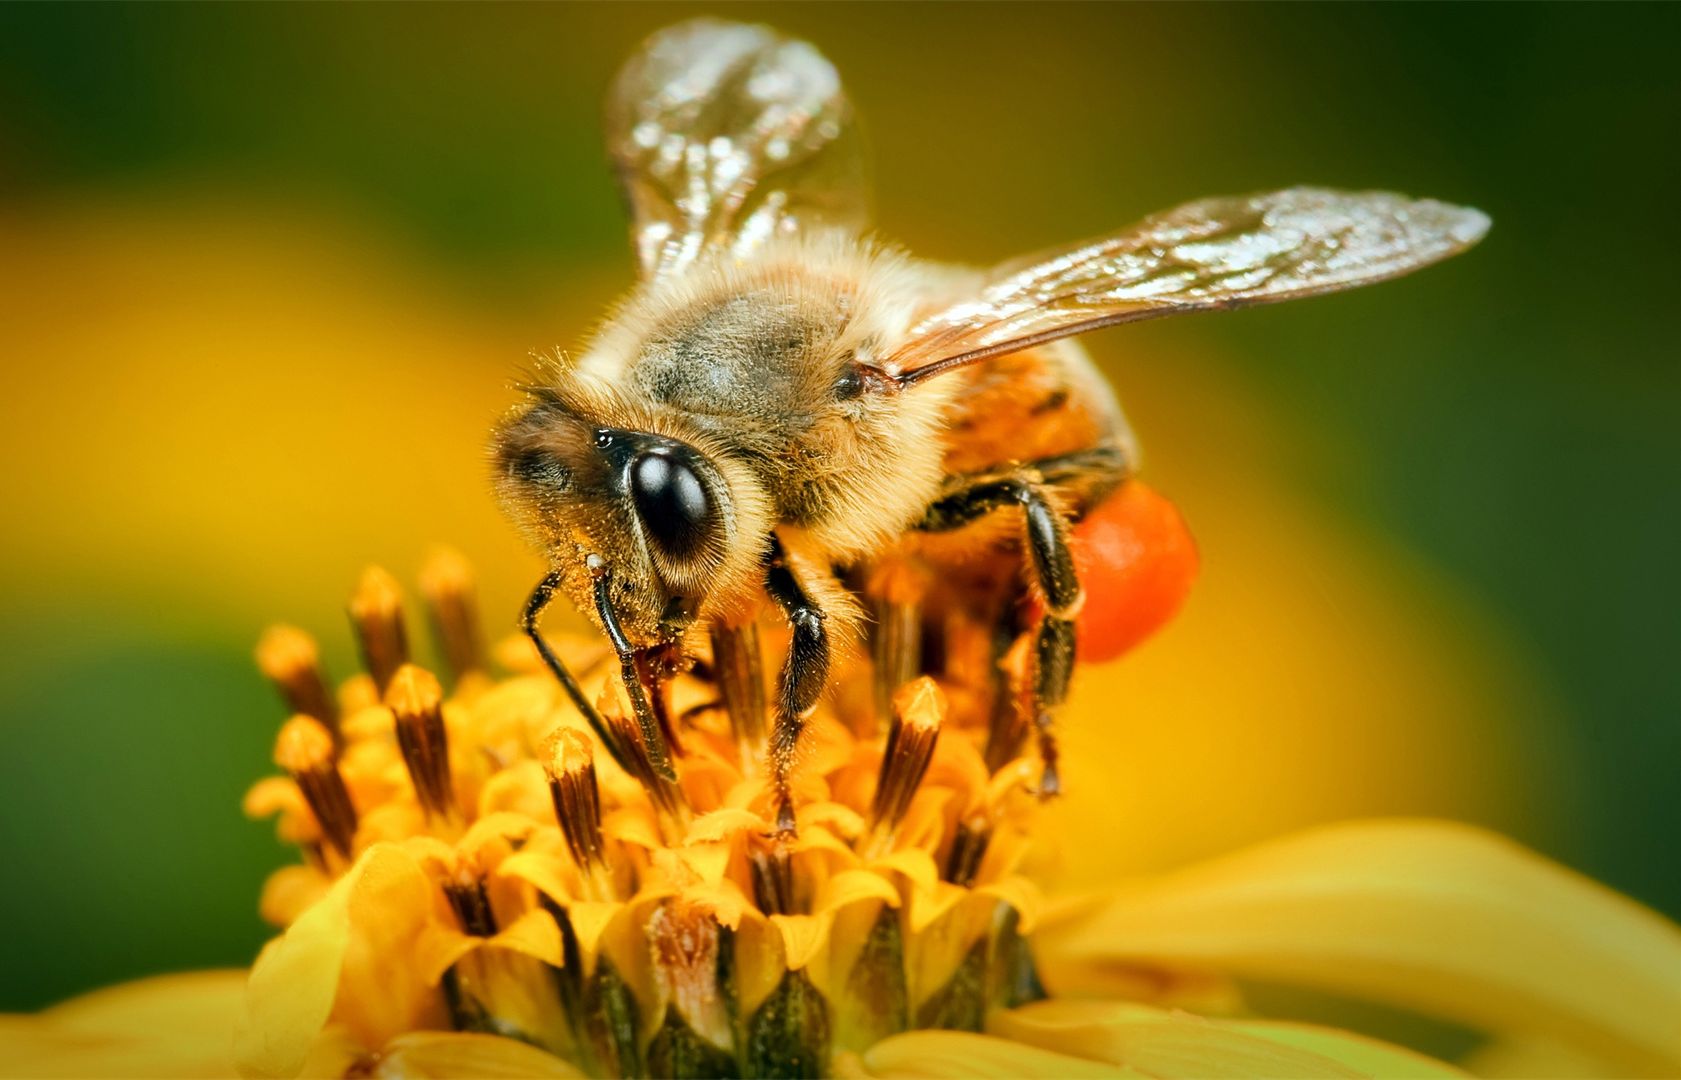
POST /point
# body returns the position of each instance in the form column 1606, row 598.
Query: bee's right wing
column 724, row 135
column 1212, row 254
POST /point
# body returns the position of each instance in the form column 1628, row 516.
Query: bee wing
column 1215, row 253
column 724, row 135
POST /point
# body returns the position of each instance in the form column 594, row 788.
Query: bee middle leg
column 805, row 672
column 1045, row 537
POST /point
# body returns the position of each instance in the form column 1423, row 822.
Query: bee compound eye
column 672, row 502
column 850, row 384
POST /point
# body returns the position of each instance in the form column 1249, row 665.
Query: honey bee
column 780, row 400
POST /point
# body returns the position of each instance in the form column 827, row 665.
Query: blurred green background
column 265, row 271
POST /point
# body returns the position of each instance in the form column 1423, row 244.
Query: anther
column 289, row 659
column 739, row 672
column 467, row 896
column 918, row 710
column 376, row 614
column 896, row 652
column 446, row 580
column 305, row 750
column 968, row 847
column 570, row 764
column 771, row 865
column 416, row 703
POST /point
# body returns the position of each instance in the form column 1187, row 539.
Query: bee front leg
column 804, row 674
column 540, row 599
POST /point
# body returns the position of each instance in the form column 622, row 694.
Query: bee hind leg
column 805, row 672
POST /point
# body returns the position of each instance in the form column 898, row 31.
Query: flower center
column 636, row 924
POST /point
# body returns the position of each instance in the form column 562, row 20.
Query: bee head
column 655, row 514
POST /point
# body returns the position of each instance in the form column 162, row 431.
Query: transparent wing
column 1216, row 253
column 725, row 135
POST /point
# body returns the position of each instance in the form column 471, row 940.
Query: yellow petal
column 802, row 937
column 1533, row 1059
column 440, row 1054
column 1157, row 1043
column 273, row 795
column 838, row 818
column 495, row 827
column 633, row 826
column 1021, row 894
column 927, row 908
column 723, row 824
column 854, row 886
column 289, row 891
column 544, row 871
column 723, row 900
column 334, row 953
column 937, row 948
column 590, row 921
column 960, row 1054
column 436, row 953
column 520, row 788
column 1369, row 1057
column 168, row 1026
column 1445, row 919
column 534, row 934
column 708, row 862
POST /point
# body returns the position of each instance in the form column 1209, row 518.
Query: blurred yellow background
column 266, row 274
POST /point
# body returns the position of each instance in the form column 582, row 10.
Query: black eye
column 849, row 385
column 671, row 501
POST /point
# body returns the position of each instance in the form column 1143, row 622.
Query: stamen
column 919, row 709
column 968, row 847
column 289, row 659
column 446, row 580
column 739, row 671
column 1010, row 722
column 896, row 644
column 416, row 703
column 467, row 896
column 305, row 750
column 570, row 763
column 376, row 614
column 772, row 868
column 684, row 945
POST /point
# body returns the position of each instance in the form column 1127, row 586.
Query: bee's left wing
column 724, row 135
column 1216, row 253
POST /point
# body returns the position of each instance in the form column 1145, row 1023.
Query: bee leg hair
column 804, row 674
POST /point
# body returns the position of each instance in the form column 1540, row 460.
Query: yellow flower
column 485, row 891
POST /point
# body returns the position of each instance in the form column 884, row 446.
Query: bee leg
column 804, row 674
column 1053, row 568
column 653, row 740
column 540, row 598
column 1045, row 534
